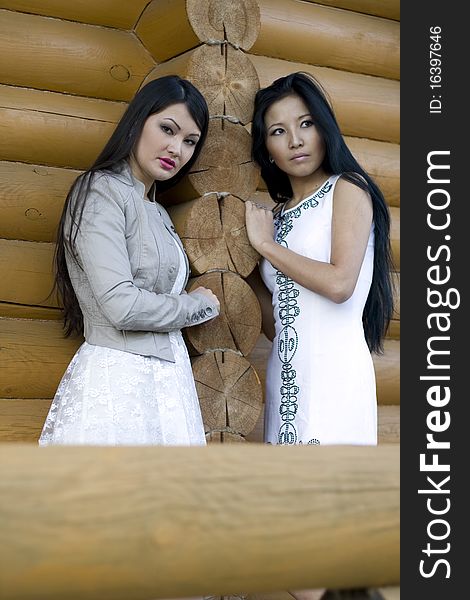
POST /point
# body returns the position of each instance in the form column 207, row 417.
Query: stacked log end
column 208, row 211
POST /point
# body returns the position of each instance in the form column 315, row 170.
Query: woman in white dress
column 325, row 285
column 326, row 266
column 121, row 271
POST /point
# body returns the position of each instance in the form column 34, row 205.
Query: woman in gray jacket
column 121, row 271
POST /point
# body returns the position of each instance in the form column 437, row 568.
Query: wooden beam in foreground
column 159, row 522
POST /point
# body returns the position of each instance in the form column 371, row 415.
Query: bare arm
column 265, row 300
column 351, row 222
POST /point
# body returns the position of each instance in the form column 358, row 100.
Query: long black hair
column 338, row 160
column 154, row 97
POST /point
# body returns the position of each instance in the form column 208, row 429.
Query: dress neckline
column 317, row 191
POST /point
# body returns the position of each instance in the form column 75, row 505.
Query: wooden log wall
column 81, row 523
column 67, row 73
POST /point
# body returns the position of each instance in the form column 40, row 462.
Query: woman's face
column 167, row 142
column 292, row 139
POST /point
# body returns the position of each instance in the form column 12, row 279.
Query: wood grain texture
column 365, row 106
column 54, row 129
column 224, row 165
column 93, row 522
column 33, row 357
column 225, row 76
column 329, row 37
column 212, row 229
column 31, row 200
column 26, row 273
column 239, row 323
column 72, row 58
column 229, row 392
column 390, row 9
column 237, row 22
column 112, row 13
column 165, row 30
column 381, row 160
column 22, row 311
column 22, row 419
column 170, row 28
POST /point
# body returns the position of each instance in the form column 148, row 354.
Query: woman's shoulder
column 352, row 183
column 112, row 186
column 352, row 194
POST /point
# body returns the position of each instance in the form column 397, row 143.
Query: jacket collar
column 124, row 174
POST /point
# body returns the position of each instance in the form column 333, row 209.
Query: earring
column 271, row 159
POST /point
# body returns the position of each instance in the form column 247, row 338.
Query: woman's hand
column 259, row 225
column 208, row 293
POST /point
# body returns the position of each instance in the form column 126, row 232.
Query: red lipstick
column 167, row 163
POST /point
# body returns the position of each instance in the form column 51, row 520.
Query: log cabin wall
column 67, row 74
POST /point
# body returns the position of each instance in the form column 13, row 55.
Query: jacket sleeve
column 102, row 253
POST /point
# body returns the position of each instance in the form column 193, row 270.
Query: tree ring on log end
column 213, row 231
column 225, row 163
column 230, row 395
column 237, row 22
column 238, row 325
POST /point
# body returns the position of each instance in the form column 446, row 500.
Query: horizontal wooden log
column 388, row 418
column 387, row 368
column 329, row 37
column 26, row 268
column 396, row 283
column 213, row 232
column 165, row 30
column 381, row 160
column 390, row 9
column 111, row 13
column 393, row 331
column 54, row 129
column 230, row 394
column 31, row 200
column 93, row 522
column 74, row 58
column 33, row 357
column 387, row 373
column 26, row 273
column 239, row 323
column 224, row 165
column 388, row 426
column 22, row 420
column 365, row 106
column 395, row 236
column 22, row 311
column 379, row 593
column 225, row 76
column 168, row 29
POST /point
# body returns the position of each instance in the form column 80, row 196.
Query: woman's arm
column 351, row 222
column 102, row 253
column 265, row 299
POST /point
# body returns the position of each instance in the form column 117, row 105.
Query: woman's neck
column 303, row 187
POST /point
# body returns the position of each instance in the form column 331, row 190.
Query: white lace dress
column 111, row 397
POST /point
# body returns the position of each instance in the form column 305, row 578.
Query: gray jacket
column 127, row 267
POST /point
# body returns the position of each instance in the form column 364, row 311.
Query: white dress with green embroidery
column 320, row 380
